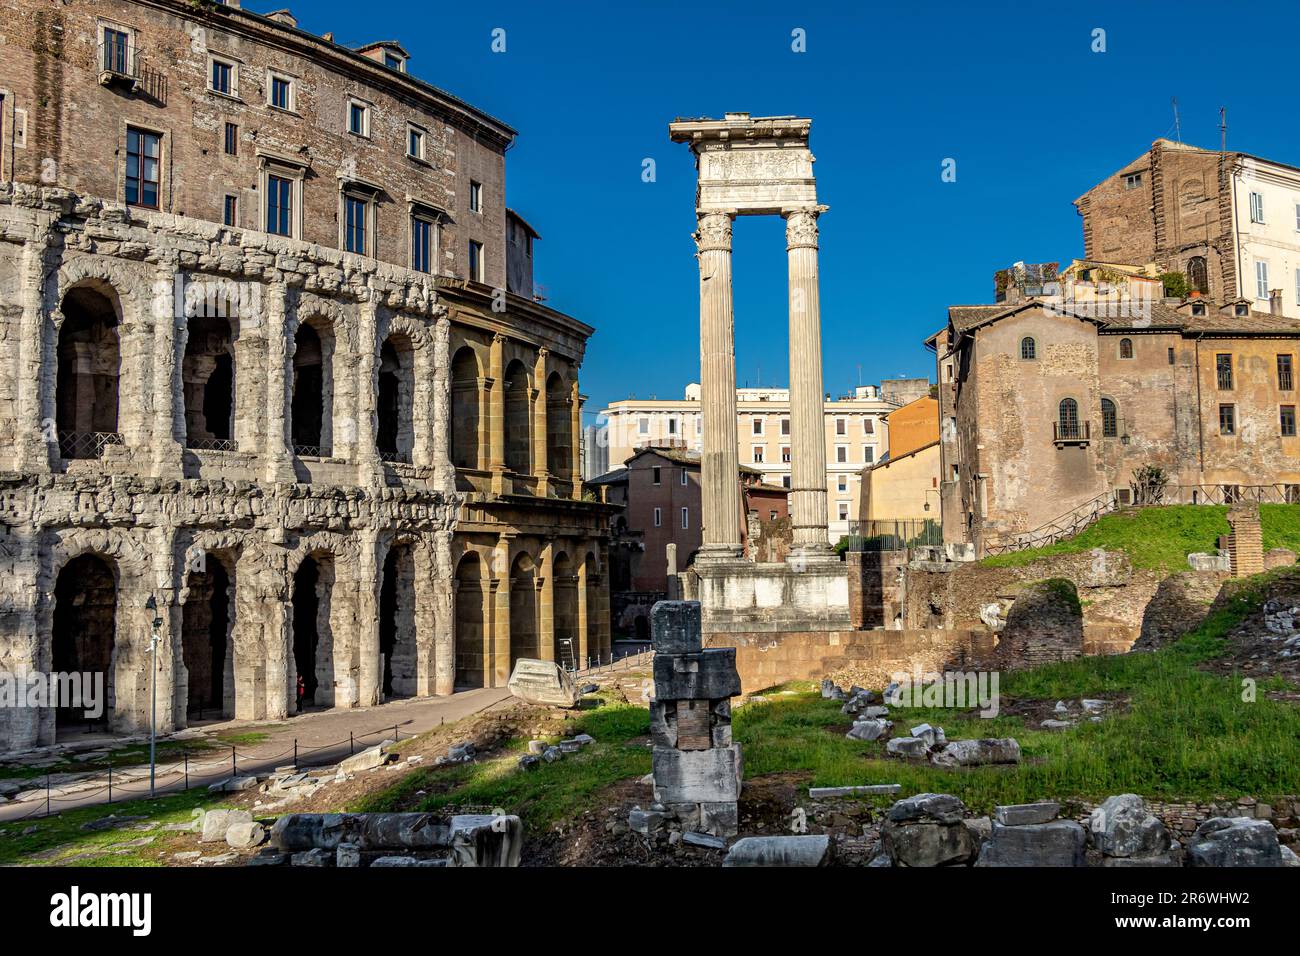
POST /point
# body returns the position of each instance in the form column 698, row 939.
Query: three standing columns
column 720, row 463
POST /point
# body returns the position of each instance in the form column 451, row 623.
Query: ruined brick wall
column 876, row 583
column 1245, row 543
column 1044, row 626
column 868, row 658
column 1180, row 604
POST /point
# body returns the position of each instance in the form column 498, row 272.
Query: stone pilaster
column 369, row 469
column 170, row 334
column 36, row 437
column 575, row 439
column 497, row 417
column 279, row 385
column 720, row 462
column 439, row 454
column 807, row 409
column 541, row 437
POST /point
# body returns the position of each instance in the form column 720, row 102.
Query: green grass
column 1186, row 734
column 1161, row 538
column 62, row 833
column 138, row 754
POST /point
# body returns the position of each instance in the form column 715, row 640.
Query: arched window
column 1067, row 419
column 89, row 358
column 518, row 422
column 395, row 436
column 1126, row 348
column 311, row 411
column 208, row 379
column 1198, row 277
column 465, row 399
column 1028, row 348
column 1109, row 419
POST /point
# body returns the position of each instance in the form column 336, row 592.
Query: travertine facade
column 326, row 443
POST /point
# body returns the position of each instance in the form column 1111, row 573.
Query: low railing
column 212, row 444
column 76, row 446
column 1064, row 433
column 309, row 451
column 878, row 535
column 1065, row 526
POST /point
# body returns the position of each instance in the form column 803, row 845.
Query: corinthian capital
column 714, row 234
column 801, row 229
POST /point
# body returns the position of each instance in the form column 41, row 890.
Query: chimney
column 1275, row 301
column 283, row 16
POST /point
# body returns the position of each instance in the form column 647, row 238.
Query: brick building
column 277, row 370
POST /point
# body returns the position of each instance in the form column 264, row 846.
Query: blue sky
column 1013, row 93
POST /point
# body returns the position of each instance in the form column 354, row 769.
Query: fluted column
column 720, row 461
column 807, row 411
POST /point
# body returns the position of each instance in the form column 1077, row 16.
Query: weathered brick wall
column 876, row 587
column 868, row 658
column 1044, row 625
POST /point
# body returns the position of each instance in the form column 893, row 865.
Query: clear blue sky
column 1012, row 92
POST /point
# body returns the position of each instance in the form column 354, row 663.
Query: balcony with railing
column 121, row 66
column 82, row 446
column 1071, row 432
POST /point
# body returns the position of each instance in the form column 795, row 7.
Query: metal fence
column 893, row 535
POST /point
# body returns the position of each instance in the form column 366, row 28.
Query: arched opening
column 559, row 428
column 1067, row 419
column 397, row 623
column 473, row 665
column 206, row 641
column 313, row 639
column 465, row 410
column 1028, row 348
column 86, row 381
column 395, row 436
column 1109, row 419
column 313, row 389
column 524, row 640
column 84, row 632
column 565, row 619
column 1198, row 276
column 518, row 419
column 208, row 381
column 1126, row 348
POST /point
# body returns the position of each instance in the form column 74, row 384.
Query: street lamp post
column 156, row 623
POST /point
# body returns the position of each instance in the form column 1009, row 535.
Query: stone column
column 444, row 640
column 541, row 433
column 807, row 409
column 368, row 573
column 546, row 602
column 169, row 351
column 366, row 408
column 436, row 442
column 580, row 650
column 279, row 384
column 720, row 462
column 36, row 438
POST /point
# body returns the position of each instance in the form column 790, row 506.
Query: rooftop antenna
column 1178, row 126
column 1223, row 129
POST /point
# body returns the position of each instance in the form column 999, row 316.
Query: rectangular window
column 143, row 168
column 1171, row 355
column 1227, row 419
column 356, row 211
column 868, row 454
column 841, row 426
column 358, row 119
column 686, row 520
column 1288, row 421
column 843, row 510
column 232, row 140
column 476, row 261
column 643, row 426
column 1261, row 279
column 655, row 474
column 758, row 454
column 1297, row 217
column 223, row 78
column 785, row 481
column 117, row 46
column 230, row 211
column 868, row 426
column 841, row 453
column 421, row 244
column 672, row 426
column 1132, row 180
column 684, row 476
column 1284, row 377
column 758, row 426
column 842, row 483
column 395, row 63
column 279, row 205
column 475, row 197
column 658, row 517
column 281, row 92
column 1256, row 207
column 415, row 142
column 1223, row 368
column 785, row 453
column 785, row 426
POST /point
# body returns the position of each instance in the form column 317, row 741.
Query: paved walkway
column 322, row 739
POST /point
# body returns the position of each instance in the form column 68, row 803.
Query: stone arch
column 1198, row 275
column 466, row 418
column 207, row 635
column 525, row 636
column 591, row 581
column 84, row 631
column 313, row 387
column 208, row 382
column 474, row 651
column 321, row 647
column 398, row 616
column 88, row 360
column 566, row 645
column 518, row 418
column 395, row 398
column 559, row 427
